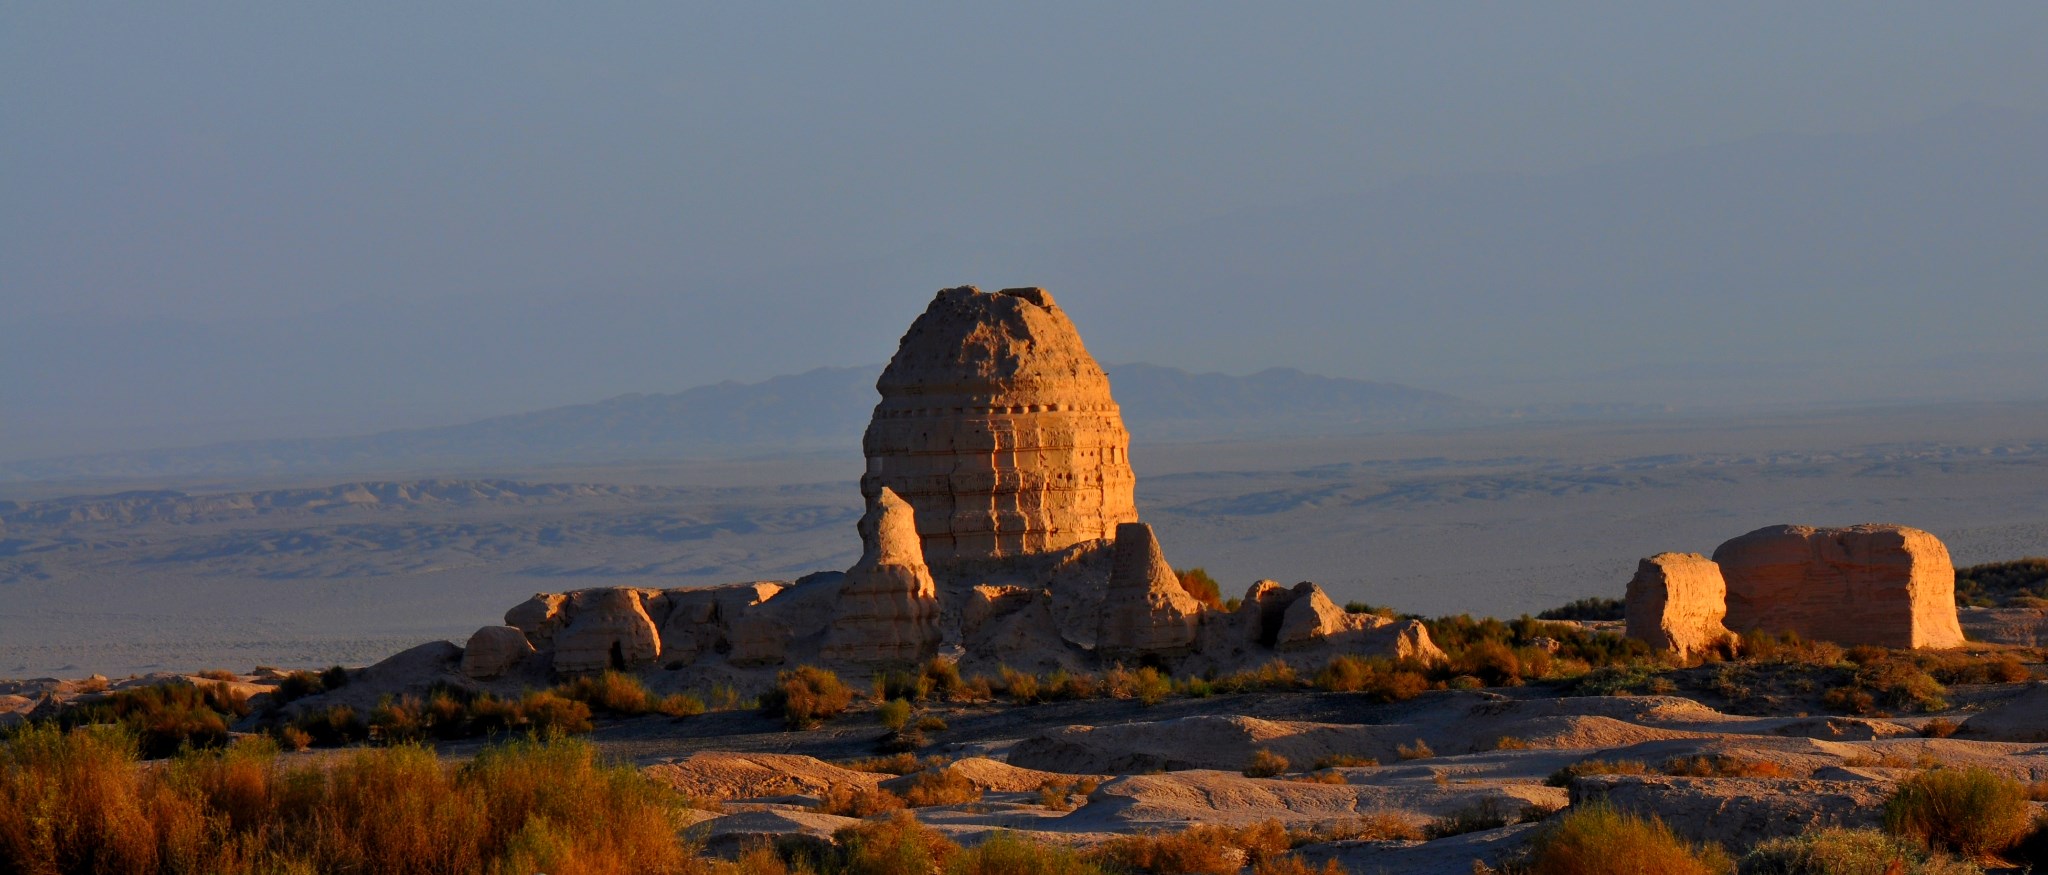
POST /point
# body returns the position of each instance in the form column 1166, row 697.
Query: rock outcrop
column 1145, row 612
column 888, row 610
column 610, row 629
column 1886, row 585
column 1676, row 603
column 493, row 651
column 997, row 426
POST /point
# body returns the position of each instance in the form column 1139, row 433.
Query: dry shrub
column 615, row 692
column 1596, row 839
column 806, row 696
column 757, row 859
column 1265, row 764
column 1197, row 582
column 941, row 787
column 1789, row 648
column 1275, row 674
column 1197, row 850
column 398, row 720
column 1975, row 813
column 1320, row 778
column 1484, row 814
column 294, row 738
column 1722, row 766
column 942, row 678
column 1006, row 853
column 1021, row 687
column 1563, row 777
column 1376, row 826
column 1345, row 761
column 1292, row 865
column 1063, row 685
column 1848, row 852
column 1056, row 796
column 1420, row 750
column 852, row 800
column 1146, row 684
column 547, row 714
column 893, row 764
column 218, row 674
column 1939, row 727
column 165, row 717
column 894, row 714
column 1509, row 742
column 79, row 802
column 72, row 802
column 332, row 726
column 890, row 847
column 930, row 723
column 1382, row 678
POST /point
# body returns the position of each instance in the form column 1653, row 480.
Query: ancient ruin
column 1000, row 530
column 1676, row 603
column 997, row 426
column 1887, row 585
column 1144, row 610
column 1878, row 584
column 888, row 611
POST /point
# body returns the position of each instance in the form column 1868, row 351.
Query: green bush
column 164, row 717
column 1591, row 608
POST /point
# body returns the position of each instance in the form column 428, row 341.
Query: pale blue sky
column 245, row 165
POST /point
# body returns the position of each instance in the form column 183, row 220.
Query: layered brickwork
column 997, row 427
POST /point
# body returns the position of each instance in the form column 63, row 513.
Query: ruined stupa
column 998, row 429
column 1000, row 531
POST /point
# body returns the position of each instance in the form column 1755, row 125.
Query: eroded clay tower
column 997, row 427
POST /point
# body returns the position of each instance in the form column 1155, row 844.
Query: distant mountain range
column 822, row 409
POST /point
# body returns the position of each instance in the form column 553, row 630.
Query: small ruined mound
column 1880, row 584
column 1145, row 612
column 997, row 426
column 888, row 612
column 721, row 775
column 493, row 651
column 1676, row 602
column 610, row 630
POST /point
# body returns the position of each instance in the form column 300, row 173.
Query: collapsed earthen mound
column 888, row 611
column 997, row 427
column 1145, row 612
column 1886, row 585
column 1676, row 603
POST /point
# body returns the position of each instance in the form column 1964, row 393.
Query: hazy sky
column 213, row 162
